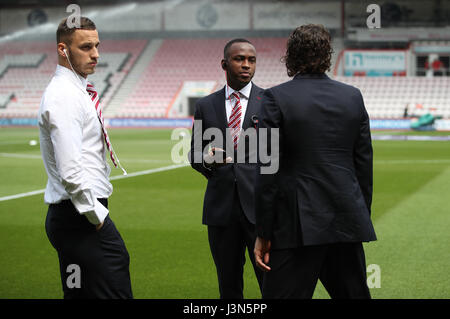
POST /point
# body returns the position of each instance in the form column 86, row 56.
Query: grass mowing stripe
column 137, row 160
column 412, row 246
column 418, row 161
column 159, row 217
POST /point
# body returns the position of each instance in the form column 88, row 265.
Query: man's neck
column 68, row 66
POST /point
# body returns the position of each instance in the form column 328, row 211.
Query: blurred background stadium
column 157, row 58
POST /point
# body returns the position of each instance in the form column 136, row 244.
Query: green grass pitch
column 159, row 217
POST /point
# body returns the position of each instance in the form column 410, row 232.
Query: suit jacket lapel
column 252, row 108
column 219, row 107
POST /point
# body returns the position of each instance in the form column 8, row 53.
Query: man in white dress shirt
column 94, row 262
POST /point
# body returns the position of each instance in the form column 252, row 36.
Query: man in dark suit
column 224, row 122
column 313, row 214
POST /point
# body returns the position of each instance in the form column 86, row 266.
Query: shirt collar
column 311, row 76
column 245, row 91
column 71, row 76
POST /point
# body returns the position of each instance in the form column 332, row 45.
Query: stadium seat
column 26, row 68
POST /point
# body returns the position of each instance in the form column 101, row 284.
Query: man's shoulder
column 60, row 87
column 256, row 89
column 331, row 84
column 344, row 86
column 285, row 86
column 208, row 99
column 60, row 92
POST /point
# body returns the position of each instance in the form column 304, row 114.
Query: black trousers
column 93, row 264
column 294, row 272
column 228, row 244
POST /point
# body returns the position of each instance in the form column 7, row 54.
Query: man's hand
column 262, row 252
column 214, row 158
column 97, row 227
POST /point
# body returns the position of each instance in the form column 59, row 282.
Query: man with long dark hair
column 314, row 213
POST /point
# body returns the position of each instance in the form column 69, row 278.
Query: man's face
column 83, row 51
column 240, row 65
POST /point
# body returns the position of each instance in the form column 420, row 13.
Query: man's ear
column 61, row 47
column 224, row 64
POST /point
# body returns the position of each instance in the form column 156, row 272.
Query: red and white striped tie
column 94, row 96
column 235, row 119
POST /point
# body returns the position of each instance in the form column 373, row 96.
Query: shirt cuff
column 98, row 215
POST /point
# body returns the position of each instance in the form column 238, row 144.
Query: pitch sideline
column 140, row 173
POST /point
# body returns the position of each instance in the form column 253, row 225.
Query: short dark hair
column 64, row 33
column 230, row 43
column 308, row 50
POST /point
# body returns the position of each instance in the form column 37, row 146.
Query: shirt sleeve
column 66, row 119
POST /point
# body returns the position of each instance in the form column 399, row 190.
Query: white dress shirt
column 230, row 100
column 72, row 146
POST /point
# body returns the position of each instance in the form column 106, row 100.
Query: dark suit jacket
column 322, row 192
column 219, row 195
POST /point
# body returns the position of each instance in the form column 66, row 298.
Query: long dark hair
column 308, row 50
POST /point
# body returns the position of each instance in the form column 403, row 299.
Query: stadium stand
column 385, row 97
column 166, row 72
column 388, row 97
column 140, row 78
column 24, row 75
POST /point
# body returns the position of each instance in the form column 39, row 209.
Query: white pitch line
column 146, row 172
column 23, row 142
column 15, row 155
column 39, row 191
column 124, row 160
column 149, row 171
column 170, row 167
